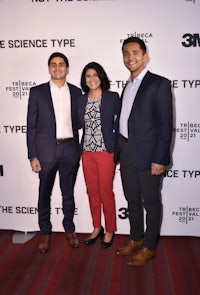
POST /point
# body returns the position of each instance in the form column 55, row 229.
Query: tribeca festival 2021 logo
column 186, row 214
column 188, row 130
column 20, row 89
column 145, row 36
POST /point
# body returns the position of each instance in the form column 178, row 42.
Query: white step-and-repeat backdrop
column 93, row 30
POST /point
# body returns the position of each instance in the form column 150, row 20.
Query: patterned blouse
column 93, row 139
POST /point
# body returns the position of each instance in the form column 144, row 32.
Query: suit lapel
column 73, row 101
column 47, row 94
column 103, row 99
column 104, row 102
column 143, row 86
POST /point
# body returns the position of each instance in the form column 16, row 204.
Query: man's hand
column 35, row 165
column 157, row 169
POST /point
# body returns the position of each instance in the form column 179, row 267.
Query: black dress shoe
column 92, row 241
column 105, row 245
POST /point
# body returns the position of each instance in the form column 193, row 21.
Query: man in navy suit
column 144, row 149
column 53, row 145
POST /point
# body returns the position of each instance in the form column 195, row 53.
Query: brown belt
column 64, row 140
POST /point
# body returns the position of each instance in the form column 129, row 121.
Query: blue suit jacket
column 41, row 124
column 150, row 123
column 110, row 108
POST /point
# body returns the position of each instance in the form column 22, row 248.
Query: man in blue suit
column 53, row 145
column 144, row 149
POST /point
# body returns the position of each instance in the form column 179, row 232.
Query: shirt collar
column 140, row 76
column 53, row 85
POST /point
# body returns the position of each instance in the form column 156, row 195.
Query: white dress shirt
column 62, row 108
column 128, row 100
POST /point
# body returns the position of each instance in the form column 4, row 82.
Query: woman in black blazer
column 98, row 113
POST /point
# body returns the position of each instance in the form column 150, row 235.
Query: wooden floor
column 91, row 270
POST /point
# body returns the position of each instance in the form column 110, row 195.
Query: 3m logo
column 191, row 40
column 1, row 170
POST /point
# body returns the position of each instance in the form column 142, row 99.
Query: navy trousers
column 141, row 190
column 66, row 163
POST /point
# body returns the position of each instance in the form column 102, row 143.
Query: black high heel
column 105, row 245
column 92, row 241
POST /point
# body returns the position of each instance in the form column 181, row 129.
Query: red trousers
column 99, row 171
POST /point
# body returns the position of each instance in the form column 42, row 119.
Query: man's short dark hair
column 58, row 54
column 135, row 40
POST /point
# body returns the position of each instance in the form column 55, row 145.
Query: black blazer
column 150, row 123
column 41, row 123
column 110, row 109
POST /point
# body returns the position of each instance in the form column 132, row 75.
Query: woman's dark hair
column 105, row 83
column 135, row 40
column 58, row 54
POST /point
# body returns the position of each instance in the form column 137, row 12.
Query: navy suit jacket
column 110, row 109
column 41, row 123
column 150, row 123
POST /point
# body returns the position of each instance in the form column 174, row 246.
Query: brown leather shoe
column 72, row 240
column 142, row 257
column 130, row 247
column 44, row 243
